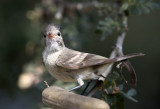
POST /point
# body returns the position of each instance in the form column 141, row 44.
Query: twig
column 46, row 83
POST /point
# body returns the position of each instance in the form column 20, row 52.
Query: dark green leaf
column 144, row 9
column 134, row 10
column 112, row 76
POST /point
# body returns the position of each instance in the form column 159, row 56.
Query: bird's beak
column 51, row 36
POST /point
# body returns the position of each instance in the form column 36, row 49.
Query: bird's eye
column 44, row 35
column 59, row 34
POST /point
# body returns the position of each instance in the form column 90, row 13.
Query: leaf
column 128, row 97
column 142, row 1
column 131, row 92
column 144, row 9
column 120, row 87
column 112, row 76
column 104, row 97
column 125, row 6
column 134, row 10
column 153, row 5
column 107, row 26
column 142, row 6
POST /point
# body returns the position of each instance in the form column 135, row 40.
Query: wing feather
column 71, row 59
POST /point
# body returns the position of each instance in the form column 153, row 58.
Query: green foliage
column 114, row 14
column 138, row 7
column 110, row 81
column 115, row 101
column 107, row 26
column 112, row 76
column 112, row 93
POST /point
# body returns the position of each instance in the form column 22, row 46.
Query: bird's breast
column 56, row 71
column 52, row 57
column 50, row 62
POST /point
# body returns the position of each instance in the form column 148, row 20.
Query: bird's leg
column 86, row 87
column 80, row 82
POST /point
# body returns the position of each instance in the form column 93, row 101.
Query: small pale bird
column 69, row 65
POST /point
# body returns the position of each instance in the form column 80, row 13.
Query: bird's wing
column 71, row 59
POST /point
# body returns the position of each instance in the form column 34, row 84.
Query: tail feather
column 121, row 58
column 129, row 56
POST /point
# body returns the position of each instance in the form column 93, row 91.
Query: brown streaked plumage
column 72, row 59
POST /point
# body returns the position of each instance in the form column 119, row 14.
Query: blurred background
column 21, row 44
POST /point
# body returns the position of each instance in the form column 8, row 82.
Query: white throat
column 51, row 48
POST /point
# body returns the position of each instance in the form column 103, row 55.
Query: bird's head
column 52, row 36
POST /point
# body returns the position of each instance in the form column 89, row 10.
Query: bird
column 70, row 65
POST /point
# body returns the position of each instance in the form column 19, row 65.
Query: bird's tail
column 121, row 58
column 124, row 57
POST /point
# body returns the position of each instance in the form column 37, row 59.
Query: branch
column 58, row 98
column 118, row 51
